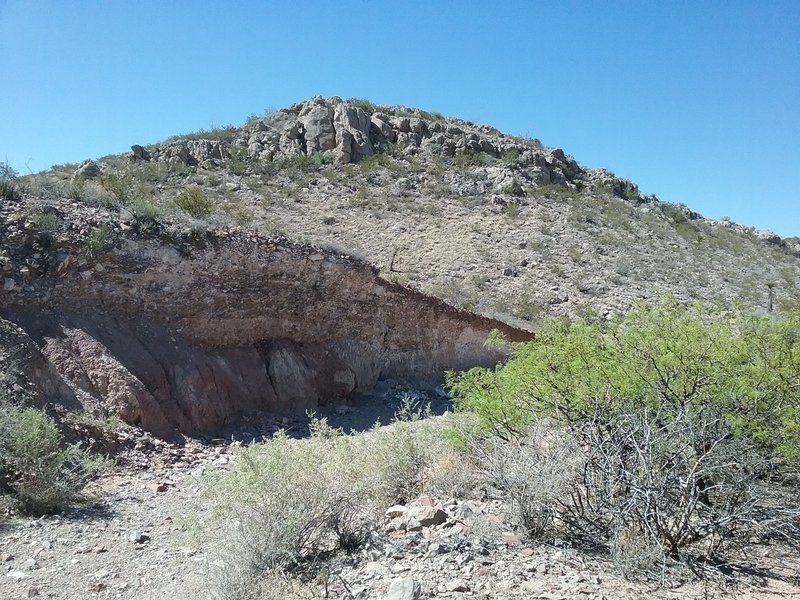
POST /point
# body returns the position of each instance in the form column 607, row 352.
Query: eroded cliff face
column 175, row 337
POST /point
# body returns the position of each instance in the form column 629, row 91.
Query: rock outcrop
column 175, row 337
column 348, row 133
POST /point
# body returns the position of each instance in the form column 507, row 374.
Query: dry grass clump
column 287, row 502
column 195, row 202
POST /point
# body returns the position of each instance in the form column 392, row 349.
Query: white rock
column 403, row 589
column 398, row 510
column 17, row 575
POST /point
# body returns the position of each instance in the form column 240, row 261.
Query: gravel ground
column 132, row 541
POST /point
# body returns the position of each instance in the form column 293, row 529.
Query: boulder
column 382, row 129
column 770, row 237
column 139, row 153
column 404, row 589
column 352, row 126
column 88, row 169
column 317, row 121
column 427, row 516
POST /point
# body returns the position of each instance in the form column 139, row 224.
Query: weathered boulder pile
column 347, row 133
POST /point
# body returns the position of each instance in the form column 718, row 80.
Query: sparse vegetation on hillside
column 8, row 190
column 363, row 104
column 195, row 202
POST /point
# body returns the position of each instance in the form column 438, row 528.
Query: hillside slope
column 490, row 222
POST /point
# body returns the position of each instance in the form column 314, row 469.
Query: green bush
column 307, row 163
column 7, row 172
column 195, row 202
column 8, row 191
column 373, row 161
column 668, row 425
column 118, row 184
column 145, row 215
column 363, row 104
column 664, row 357
column 226, row 133
column 97, row 240
column 39, row 473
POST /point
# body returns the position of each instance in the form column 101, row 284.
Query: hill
column 171, row 305
column 494, row 223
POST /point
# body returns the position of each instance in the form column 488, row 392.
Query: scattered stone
column 404, row 589
column 158, row 487
column 398, row 568
column 138, row 537
column 398, row 510
column 511, row 539
column 456, row 585
column 427, row 516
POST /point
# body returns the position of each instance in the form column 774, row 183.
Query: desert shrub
column 287, row 501
column 403, row 454
column 471, row 158
column 306, row 163
column 677, row 213
column 195, row 202
column 145, row 215
column 363, row 104
column 536, row 470
column 678, row 417
column 236, row 583
column 47, row 223
column 226, row 133
column 93, row 194
column 665, row 357
column 8, row 190
column 554, row 191
column 236, row 160
column 7, row 172
column 118, row 183
column 97, row 240
column 39, row 473
column 373, row 161
column 510, row 156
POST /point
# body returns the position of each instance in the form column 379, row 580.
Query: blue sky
column 697, row 102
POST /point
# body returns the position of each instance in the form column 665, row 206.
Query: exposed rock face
column 190, row 341
column 88, row 169
column 28, row 372
column 349, row 133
